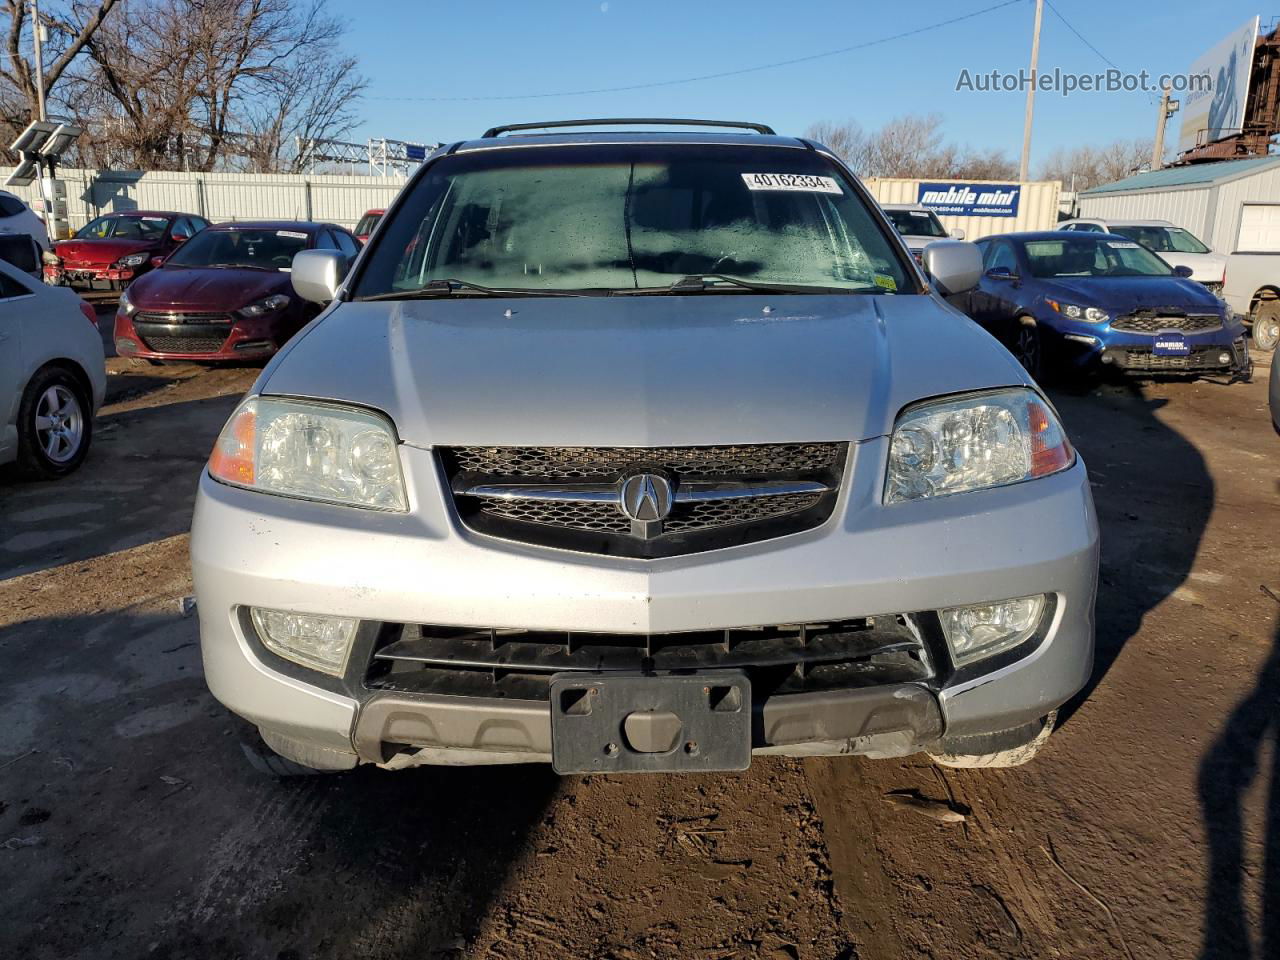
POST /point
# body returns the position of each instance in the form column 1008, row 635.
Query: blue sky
column 505, row 48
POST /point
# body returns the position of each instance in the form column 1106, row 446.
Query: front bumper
column 1225, row 350
column 422, row 567
column 238, row 339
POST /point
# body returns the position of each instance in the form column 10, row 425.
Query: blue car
column 1075, row 301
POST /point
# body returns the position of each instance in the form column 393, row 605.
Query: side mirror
column 955, row 266
column 157, row 262
column 1183, row 271
column 317, row 274
column 1001, row 273
column 957, row 233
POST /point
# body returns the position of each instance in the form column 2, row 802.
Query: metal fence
column 221, row 196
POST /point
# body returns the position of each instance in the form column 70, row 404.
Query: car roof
column 1044, row 235
column 905, row 206
column 1151, row 222
column 310, row 226
column 147, row 213
column 591, row 138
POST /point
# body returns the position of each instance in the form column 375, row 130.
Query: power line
column 726, row 73
column 1081, row 37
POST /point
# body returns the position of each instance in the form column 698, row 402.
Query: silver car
column 52, row 376
column 642, row 452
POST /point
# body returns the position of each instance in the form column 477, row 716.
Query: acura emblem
column 645, row 499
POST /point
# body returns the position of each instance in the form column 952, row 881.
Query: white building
column 1232, row 205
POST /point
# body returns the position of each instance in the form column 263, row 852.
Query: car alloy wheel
column 1266, row 328
column 1026, row 348
column 59, row 424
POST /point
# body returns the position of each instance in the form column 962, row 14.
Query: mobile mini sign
column 970, row 199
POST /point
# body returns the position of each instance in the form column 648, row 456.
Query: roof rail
column 626, row 121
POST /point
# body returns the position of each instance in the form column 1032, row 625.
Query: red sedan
column 112, row 250
column 365, row 227
column 226, row 295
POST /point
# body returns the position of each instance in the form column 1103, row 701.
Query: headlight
column 311, row 451
column 126, row 305
column 133, row 260
column 985, row 629
column 1087, row 314
column 260, row 308
column 980, row 440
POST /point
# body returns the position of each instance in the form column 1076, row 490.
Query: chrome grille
column 1147, row 322
column 566, row 463
column 572, row 497
column 143, row 316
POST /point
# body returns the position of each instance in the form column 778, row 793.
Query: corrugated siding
column 1037, row 205
column 222, row 196
column 1185, row 208
column 1262, row 187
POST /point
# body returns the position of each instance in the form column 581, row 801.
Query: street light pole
column 1024, row 167
column 1167, row 109
column 35, row 30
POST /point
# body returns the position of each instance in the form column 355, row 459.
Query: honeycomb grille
column 574, row 463
column 1195, row 323
column 185, row 344
column 607, row 518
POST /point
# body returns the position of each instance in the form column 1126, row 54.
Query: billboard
column 1218, row 110
column 970, row 199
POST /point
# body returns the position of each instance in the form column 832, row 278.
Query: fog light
column 312, row 640
column 124, row 345
column 985, row 629
column 1224, row 358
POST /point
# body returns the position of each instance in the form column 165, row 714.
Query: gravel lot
column 131, row 825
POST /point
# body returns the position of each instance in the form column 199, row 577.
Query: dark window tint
column 325, row 241
column 10, row 287
column 11, row 206
column 346, row 243
column 21, row 251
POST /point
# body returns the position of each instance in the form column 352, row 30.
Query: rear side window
column 346, row 243
column 19, row 250
column 11, row 206
column 627, row 217
column 10, row 287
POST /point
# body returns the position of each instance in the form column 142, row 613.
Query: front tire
column 55, row 425
column 1009, row 757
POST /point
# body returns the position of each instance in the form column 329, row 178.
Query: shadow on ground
column 138, row 829
column 1153, row 495
column 1248, row 746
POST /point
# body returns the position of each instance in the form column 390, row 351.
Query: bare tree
column 70, row 27
column 1083, row 167
column 205, row 84
column 910, row 146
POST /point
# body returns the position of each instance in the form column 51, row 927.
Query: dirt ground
column 132, row 827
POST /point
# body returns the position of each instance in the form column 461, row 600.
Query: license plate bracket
column 650, row 723
column 1171, row 345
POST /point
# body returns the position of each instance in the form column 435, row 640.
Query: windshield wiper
column 447, row 286
column 716, row 282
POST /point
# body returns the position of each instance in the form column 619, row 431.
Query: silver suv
column 642, row 451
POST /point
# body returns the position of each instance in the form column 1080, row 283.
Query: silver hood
column 640, row 371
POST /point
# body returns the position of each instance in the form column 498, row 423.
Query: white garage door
column 1259, row 227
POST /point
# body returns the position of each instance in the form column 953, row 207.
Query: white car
column 1172, row 244
column 17, row 217
column 918, row 225
column 52, row 375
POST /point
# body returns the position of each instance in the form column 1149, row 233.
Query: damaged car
column 642, row 451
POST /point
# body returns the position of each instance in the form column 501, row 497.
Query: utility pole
column 1024, row 167
column 35, row 31
column 1166, row 110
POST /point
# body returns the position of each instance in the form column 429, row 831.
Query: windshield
column 124, row 227
column 251, row 248
column 367, row 223
column 916, row 223
column 1098, row 255
column 605, row 218
column 1163, row 239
